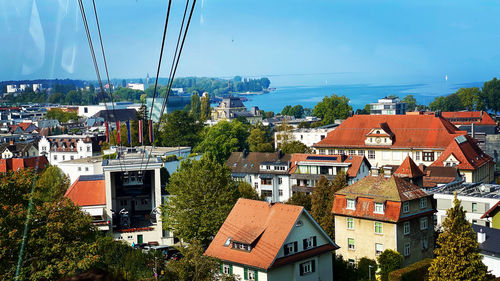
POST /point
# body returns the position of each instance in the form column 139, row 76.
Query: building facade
column 307, row 136
column 388, row 106
column 81, row 166
column 70, row 147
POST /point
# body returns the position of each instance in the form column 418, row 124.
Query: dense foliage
column 418, row 271
column 332, row 108
column 321, row 206
column 457, row 254
column 217, row 86
column 300, row 199
column 62, row 116
column 295, row 111
column 389, row 261
column 294, row 147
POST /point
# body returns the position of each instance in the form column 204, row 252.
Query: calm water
column 359, row 95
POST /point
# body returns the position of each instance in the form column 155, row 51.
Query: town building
column 231, row 108
column 81, row 166
column 89, row 193
column 24, row 128
column 388, row 139
column 18, row 150
column 13, row 164
column 113, row 115
column 436, row 176
column 70, row 147
column 476, row 123
column 136, row 86
column 489, row 247
column 306, row 169
column 134, row 194
column 307, row 136
column 382, row 212
column 475, row 198
column 388, row 106
column 493, row 215
column 263, row 241
column 267, row 172
column 470, row 160
column 292, row 121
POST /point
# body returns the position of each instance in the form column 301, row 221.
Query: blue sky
column 340, row 42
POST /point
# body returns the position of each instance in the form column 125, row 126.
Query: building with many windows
column 70, row 147
column 388, row 106
column 382, row 212
column 263, row 241
column 267, row 172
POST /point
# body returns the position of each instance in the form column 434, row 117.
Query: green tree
column 300, row 199
column 365, row 110
column 469, row 98
column 205, row 108
column 331, row 108
column 202, row 195
column 294, row 147
column 61, row 115
column 410, row 101
column 491, row 94
column 51, row 184
column 389, row 260
column 286, row 110
column 222, row 139
column 321, row 206
column 196, row 105
column 247, row 191
column 366, row 269
column 179, row 129
column 457, row 254
column 259, row 141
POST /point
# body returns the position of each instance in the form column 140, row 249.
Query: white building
column 84, row 166
column 262, row 241
column 307, row 136
column 12, row 89
column 69, row 147
column 136, row 86
column 90, row 110
column 388, row 106
column 267, row 172
column 476, row 199
column 489, row 241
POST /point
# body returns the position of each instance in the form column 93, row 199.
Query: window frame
column 406, row 228
column 428, row 156
column 351, row 202
column 423, row 203
column 353, row 248
column 378, row 227
column 377, row 251
column 379, row 205
column 371, row 154
column 350, row 221
column 406, row 207
column 407, row 249
column 424, row 223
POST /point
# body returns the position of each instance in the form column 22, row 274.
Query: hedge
column 418, row 271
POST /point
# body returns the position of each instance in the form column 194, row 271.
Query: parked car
column 168, row 251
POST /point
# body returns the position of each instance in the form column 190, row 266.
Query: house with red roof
column 464, row 153
column 14, row 149
column 89, row 193
column 306, row 169
column 480, row 121
column 382, row 212
column 388, row 139
column 263, row 241
column 13, row 164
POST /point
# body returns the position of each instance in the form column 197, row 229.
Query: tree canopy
column 260, row 139
column 295, row 111
column 457, row 255
column 331, row 108
column 300, row 199
column 388, row 261
column 321, row 206
column 490, row 94
column 411, row 102
column 291, row 147
column 179, row 129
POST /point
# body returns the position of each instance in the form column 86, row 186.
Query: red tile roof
column 492, row 210
column 469, row 117
column 353, row 170
column 266, row 226
column 87, row 191
column 14, row 164
column 410, row 131
column 369, row 190
column 408, row 169
column 466, row 151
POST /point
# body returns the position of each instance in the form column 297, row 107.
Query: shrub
column 418, row 271
column 389, row 261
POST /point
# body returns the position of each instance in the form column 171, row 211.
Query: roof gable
column 465, row 150
column 408, row 169
column 355, row 161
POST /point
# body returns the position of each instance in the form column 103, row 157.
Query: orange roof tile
column 408, row 169
column 469, row 117
column 14, row 164
column 266, row 226
column 88, row 191
column 353, row 170
column 410, row 131
column 466, row 151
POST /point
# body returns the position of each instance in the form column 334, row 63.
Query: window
column 474, row 207
column 379, row 208
column 266, row 193
column 256, row 185
column 290, row 248
column 378, row 227
column 379, row 248
column 322, row 152
column 423, row 223
column 55, row 157
column 86, row 169
column 425, row 243
column 72, row 157
column 406, row 207
column 417, row 155
column 350, row 243
column 407, row 249
column 266, row 181
column 350, row 223
column 361, row 152
column 88, row 148
column 79, row 168
column 423, row 203
column 371, row 154
column 429, row 156
column 331, row 151
column 309, row 242
column 63, row 157
column 280, row 180
column 351, row 204
column 81, row 148
column 352, row 152
column 268, row 167
column 341, row 152
column 250, row 274
column 227, row 269
column 281, row 192
column 406, row 228
column 307, row 267
column 241, row 246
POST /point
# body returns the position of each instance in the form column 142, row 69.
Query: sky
column 292, row 42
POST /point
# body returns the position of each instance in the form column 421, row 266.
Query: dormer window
column 242, row 246
column 379, row 208
column 351, row 204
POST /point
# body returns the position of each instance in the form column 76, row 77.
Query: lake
column 359, row 94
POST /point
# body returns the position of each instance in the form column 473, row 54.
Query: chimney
column 481, row 236
column 11, row 142
column 387, row 171
column 374, row 171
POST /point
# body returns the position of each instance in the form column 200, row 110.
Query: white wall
column 493, row 264
column 91, row 110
